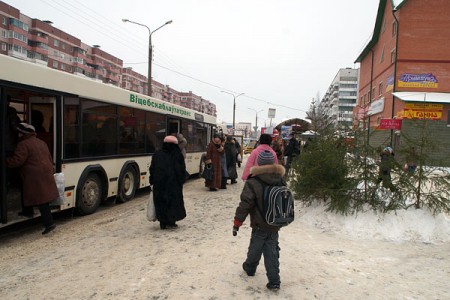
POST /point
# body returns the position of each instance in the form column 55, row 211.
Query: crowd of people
column 269, row 162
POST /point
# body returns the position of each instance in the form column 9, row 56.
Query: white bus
column 101, row 137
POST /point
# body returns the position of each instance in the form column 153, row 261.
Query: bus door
column 12, row 111
column 41, row 115
column 173, row 126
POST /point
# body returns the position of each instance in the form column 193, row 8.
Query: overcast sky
column 280, row 53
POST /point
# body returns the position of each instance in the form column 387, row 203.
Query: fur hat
column 265, row 158
column 25, row 128
column 171, row 139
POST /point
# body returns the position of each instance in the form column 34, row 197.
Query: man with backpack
column 264, row 239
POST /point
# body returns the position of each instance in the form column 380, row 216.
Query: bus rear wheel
column 128, row 185
column 88, row 200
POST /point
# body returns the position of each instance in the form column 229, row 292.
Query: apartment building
column 40, row 42
column 133, row 81
column 196, row 102
column 404, row 87
column 340, row 98
column 171, row 95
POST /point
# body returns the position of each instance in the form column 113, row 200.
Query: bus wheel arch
column 128, row 181
column 91, row 189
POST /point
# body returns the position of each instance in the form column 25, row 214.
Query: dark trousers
column 264, row 243
column 288, row 164
column 223, row 184
column 385, row 177
column 46, row 214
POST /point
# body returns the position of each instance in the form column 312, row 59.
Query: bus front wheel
column 89, row 198
column 128, row 185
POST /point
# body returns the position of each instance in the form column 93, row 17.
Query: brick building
column 196, row 102
column 133, row 81
column 404, row 87
column 38, row 41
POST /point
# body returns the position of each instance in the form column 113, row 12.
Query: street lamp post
column 234, row 106
column 256, row 120
column 150, row 51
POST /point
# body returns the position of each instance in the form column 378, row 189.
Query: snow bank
column 415, row 225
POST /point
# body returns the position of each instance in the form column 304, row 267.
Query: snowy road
column 117, row 254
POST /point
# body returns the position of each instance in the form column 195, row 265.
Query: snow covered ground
column 117, row 254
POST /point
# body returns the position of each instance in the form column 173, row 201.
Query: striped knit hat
column 265, row 158
column 25, row 128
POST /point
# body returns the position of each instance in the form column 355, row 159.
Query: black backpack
column 278, row 204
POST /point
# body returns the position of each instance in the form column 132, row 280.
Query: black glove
column 235, row 230
column 236, row 225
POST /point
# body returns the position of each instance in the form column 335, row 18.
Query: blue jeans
column 264, row 243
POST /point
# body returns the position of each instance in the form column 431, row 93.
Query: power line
column 222, row 88
column 139, row 41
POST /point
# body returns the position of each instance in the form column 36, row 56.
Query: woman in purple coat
column 36, row 169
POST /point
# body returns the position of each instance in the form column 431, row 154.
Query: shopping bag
column 60, row 185
column 151, row 212
column 239, row 158
column 208, row 172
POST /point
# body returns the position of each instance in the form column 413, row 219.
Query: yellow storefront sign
column 428, row 111
column 428, row 85
column 416, row 114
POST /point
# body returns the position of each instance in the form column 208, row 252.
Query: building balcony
column 78, row 54
column 38, row 61
column 112, row 76
column 38, row 39
column 347, row 104
column 17, row 54
column 39, row 50
column 348, row 97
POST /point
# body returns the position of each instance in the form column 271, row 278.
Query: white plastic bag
column 60, row 185
column 151, row 212
column 239, row 158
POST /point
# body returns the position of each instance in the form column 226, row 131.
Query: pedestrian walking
column 238, row 152
column 231, row 155
column 386, row 163
column 214, row 153
column 264, row 237
column 278, row 147
column 292, row 150
column 411, row 160
column 36, row 169
column 182, row 143
column 167, row 176
column 223, row 161
column 263, row 144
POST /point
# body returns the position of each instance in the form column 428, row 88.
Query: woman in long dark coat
column 167, row 175
column 214, row 154
column 231, row 154
column 36, row 169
